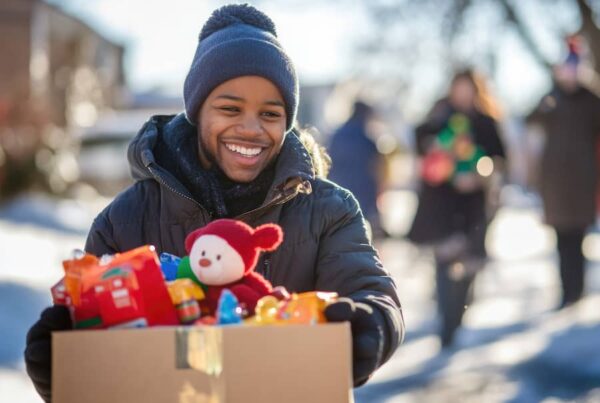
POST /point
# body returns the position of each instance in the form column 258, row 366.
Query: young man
column 235, row 154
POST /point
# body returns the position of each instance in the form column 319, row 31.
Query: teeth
column 247, row 152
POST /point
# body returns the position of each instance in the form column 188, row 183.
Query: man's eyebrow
column 275, row 103
column 230, row 97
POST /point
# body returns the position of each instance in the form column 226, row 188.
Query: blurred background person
column 459, row 148
column 357, row 164
column 570, row 118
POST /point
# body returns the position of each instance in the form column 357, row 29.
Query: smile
column 245, row 151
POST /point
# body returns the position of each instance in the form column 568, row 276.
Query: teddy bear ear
column 268, row 236
column 191, row 238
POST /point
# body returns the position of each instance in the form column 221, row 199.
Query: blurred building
column 102, row 156
column 56, row 73
column 56, row 62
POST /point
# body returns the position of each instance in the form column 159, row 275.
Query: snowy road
column 513, row 347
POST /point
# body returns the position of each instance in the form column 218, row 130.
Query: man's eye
column 229, row 108
column 272, row 114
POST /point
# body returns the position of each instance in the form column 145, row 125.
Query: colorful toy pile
column 453, row 153
column 215, row 284
column 126, row 290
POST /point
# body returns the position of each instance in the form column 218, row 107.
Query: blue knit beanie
column 239, row 40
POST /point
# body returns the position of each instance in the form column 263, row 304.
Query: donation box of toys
column 204, row 364
column 200, row 328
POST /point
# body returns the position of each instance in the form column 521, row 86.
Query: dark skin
column 241, row 127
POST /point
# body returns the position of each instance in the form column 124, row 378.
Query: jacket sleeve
column 100, row 239
column 492, row 142
column 348, row 264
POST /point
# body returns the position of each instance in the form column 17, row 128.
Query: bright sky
column 161, row 39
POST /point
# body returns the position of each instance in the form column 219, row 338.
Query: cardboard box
column 293, row 363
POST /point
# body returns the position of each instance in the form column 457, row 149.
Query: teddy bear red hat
column 247, row 241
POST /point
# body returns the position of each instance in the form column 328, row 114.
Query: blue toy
column 228, row 311
column 169, row 264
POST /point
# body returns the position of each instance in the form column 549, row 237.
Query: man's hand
column 38, row 354
column 368, row 338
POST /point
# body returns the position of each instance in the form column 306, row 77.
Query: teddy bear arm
column 258, row 283
column 246, row 295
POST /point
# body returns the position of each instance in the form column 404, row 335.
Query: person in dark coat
column 356, row 164
column 235, row 153
column 568, row 178
column 459, row 147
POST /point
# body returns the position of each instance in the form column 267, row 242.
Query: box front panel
column 123, row 366
column 230, row 364
column 289, row 364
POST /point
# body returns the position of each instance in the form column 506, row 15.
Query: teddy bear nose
column 204, row 262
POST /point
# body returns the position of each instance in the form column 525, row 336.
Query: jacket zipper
column 207, row 215
column 281, row 198
column 278, row 200
column 267, row 264
column 165, row 184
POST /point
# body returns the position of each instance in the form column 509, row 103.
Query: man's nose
column 204, row 262
column 250, row 125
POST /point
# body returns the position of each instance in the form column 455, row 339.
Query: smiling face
column 241, row 127
column 215, row 262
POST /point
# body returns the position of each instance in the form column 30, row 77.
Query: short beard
column 205, row 154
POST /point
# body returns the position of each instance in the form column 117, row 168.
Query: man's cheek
column 206, row 151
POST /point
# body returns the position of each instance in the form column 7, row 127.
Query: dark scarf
column 221, row 196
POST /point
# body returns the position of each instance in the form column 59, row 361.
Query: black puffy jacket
column 325, row 243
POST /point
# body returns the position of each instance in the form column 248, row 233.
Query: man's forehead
column 237, row 98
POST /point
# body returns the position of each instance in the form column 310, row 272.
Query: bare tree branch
column 590, row 31
column 524, row 33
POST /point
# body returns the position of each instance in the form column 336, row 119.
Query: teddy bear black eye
column 203, row 253
column 218, row 257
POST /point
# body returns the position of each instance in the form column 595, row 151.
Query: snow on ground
column 36, row 234
column 513, row 347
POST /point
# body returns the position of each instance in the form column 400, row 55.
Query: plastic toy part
column 280, row 293
column 185, row 295
column 228, row 311
column 306, row 308
column 128, row 291
column 267, row 309
column 168, row 265
column 59, row 293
